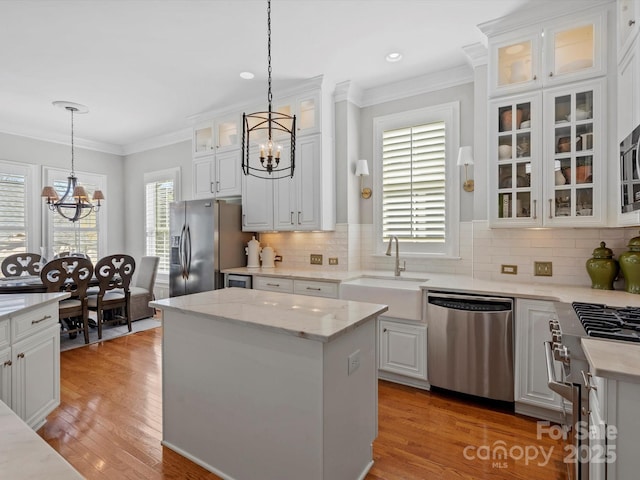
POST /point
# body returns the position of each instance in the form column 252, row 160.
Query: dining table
column 28, row 284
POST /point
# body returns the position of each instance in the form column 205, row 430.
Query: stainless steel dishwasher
column 470, row 344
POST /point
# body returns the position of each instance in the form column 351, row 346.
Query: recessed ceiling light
column 394, row 57
column 246, row 75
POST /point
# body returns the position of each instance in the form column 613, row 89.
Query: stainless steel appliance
column 564, row 354
column 630, row 171
column 239, row 281
column 470, row 344
column 206, row 237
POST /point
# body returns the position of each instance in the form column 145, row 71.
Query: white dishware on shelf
column 252, row 250
column 504, row 152
column 525, row 124
column 268, row 257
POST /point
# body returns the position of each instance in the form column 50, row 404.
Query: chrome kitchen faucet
column 398, row 268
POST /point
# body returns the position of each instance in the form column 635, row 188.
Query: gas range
column 614, row 323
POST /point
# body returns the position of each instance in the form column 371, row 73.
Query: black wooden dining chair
column 19, row 264
column 112, row 303
column 71, row 275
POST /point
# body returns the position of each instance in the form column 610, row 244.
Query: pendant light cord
column 269, row 96
column 71, row 109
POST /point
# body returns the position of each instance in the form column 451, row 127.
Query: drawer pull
column 7, row 363
column 46, row 317
column 21, row 355
column 273, row 284
column 587, row 383
column 312, row 288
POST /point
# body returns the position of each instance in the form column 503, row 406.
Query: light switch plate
column 509, row 269
column 543, row 269
column 315, row 259
column 333, row 260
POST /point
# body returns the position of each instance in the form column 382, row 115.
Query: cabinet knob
column 551, row 74
column 632, row 23
column 21, row 355
column 384, row 329
column 7, row 363
column 535, row 77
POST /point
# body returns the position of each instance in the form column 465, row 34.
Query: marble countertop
column 24, row 455
column 459, row 283
column 313, row 318
column 614, row 360
column 23, row 302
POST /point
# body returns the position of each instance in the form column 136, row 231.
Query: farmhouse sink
column 402, row 295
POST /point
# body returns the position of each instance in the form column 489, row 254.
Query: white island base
column 256, row 385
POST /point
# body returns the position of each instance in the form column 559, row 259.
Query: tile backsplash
column 482, row 251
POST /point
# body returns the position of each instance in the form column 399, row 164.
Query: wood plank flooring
column 108, row 425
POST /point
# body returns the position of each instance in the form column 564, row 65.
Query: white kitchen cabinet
column 30, row 363
column 312, row 288
column 218, row 175
column 203, row 141
column 228, row 132
column 532, row 395
column 562, row 49
column 402, row 348
column 545, row 157
column 302, row 202
column 306, row 107
column 628, row 24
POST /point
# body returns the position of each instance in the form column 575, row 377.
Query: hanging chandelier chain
column 72, row 154
column 269, row 96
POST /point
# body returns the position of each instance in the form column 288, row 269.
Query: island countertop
column 313, row 318
column 11, row 304
column 615, row 360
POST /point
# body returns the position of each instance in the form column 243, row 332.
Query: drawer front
column 273, row 284
column 26, row 324
column 316, row 289
column 5, row 333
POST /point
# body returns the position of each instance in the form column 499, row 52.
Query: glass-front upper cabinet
column 306, row 108
column 515, row 161
column 202, row 142
column 547, row 55
column 573, row 151
column 228, row 132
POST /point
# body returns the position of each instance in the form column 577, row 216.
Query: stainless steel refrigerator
column 206, row 237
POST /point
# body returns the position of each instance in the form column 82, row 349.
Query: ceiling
column 144, row 67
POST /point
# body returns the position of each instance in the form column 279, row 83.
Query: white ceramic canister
column 252, row 250
column 268, row 257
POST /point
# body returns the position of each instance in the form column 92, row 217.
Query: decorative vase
column 602, row 268
column 630, row 265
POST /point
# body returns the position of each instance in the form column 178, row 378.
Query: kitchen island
column 269, row 385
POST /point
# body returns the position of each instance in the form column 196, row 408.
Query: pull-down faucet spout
column 398, row 268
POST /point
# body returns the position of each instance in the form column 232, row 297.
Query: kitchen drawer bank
column 266, row 374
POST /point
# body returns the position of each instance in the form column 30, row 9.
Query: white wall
column 47, row 154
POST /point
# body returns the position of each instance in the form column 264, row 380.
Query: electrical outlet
column 333, row 260
column 509, row 269
column 354, row 362
column 543, row 269
column 316, row 259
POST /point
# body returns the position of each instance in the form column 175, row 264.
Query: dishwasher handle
column 471, row 303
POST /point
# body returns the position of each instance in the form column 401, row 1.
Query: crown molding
column 348, row 91
column 418, row 85
column 158, row 141
column 477, row 53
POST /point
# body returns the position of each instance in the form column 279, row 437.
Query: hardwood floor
column 108, row 425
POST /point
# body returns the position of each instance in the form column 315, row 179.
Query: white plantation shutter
column 160, row 191
column 413, row 183
column 13, row 235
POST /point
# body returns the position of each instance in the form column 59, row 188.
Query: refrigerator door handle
column 188, row 253
column 181, row 251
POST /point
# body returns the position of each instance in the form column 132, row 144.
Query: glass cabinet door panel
column 574, row 50
column 523, row 174
column 563, row 140
column 523, row 145
column 523, row 204
column 525, row 115
column 584, row 170
column 227, row 134
column 505, row 205
column 505, row 173
column 505, row 149
column 562, row 109
column 203, row 139
column 583, row 107
column 584, row 201
column 307, row 117
column 515, row 63
column 563, row 203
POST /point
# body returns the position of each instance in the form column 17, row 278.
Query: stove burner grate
column 602, row 321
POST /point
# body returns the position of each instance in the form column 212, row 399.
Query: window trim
column 151, row 177
column 450, row 113
column 49, row 175
column 31, row 205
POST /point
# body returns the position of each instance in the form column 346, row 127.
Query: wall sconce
column 465, row 157
column 362, row 170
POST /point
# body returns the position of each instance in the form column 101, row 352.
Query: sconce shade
column 465, row 156
column 362, row 168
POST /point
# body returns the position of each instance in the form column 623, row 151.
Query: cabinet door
column 36, row 376
column 202, row 143
column 308, row 113
column 575, row 140
column 628, row 11
column 5, row 376
column 257, row 204
column 284, row 203
column 629, row 92
column 574, row 50
column 309, row 183
column 515, row 161
column 203, row 177
column 514, row 62
column 228, row 174
column 228, row 132
column 532, row 330
column 403, row 348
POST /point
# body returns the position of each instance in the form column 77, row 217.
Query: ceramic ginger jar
column 602, row 268
column 630, row 266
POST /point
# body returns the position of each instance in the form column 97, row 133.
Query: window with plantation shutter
column 416, row 172
column 160, row 191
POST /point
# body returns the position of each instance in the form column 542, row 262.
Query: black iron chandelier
column 75, row 203
column 265, row 133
